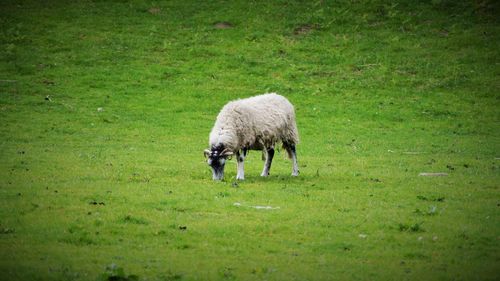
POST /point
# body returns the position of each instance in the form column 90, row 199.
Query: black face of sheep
column 216, row 159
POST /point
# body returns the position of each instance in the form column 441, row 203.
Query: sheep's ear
column 206, row 152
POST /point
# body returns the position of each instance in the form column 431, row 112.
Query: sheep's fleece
column 255, row 123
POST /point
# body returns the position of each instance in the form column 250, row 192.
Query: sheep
column 255, row 123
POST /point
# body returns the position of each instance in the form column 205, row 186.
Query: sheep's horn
column 206, row 152
column 226, row 152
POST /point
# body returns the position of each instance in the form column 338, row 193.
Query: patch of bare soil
column 223, row 25
column 305, row 29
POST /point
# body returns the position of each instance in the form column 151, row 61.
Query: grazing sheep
column 255, row 123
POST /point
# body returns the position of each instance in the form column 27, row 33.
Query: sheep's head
column 216, row 158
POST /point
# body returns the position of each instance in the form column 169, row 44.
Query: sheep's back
column 255, row 122
column 266, row 119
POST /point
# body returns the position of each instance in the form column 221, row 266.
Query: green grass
column 106, row 107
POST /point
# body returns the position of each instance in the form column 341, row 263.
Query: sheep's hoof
column 264, row 174
column 295, row 174
column 240, row 178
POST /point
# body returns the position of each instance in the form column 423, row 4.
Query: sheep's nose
column 218, row 176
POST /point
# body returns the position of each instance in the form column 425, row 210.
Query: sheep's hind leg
column 293, row 154
column 269, row 159
column 240, row 164
column 295, row 169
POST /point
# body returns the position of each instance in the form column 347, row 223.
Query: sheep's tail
column 292, row 140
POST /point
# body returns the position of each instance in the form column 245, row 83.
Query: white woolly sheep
column 255, row 123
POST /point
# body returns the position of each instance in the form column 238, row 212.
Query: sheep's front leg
column 240, row 164
column 269, row 159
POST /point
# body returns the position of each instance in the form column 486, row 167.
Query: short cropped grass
column 106, row 107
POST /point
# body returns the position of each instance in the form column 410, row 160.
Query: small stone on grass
column 433, row 174
column 154, row 10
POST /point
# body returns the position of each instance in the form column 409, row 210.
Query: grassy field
column 106, row 107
